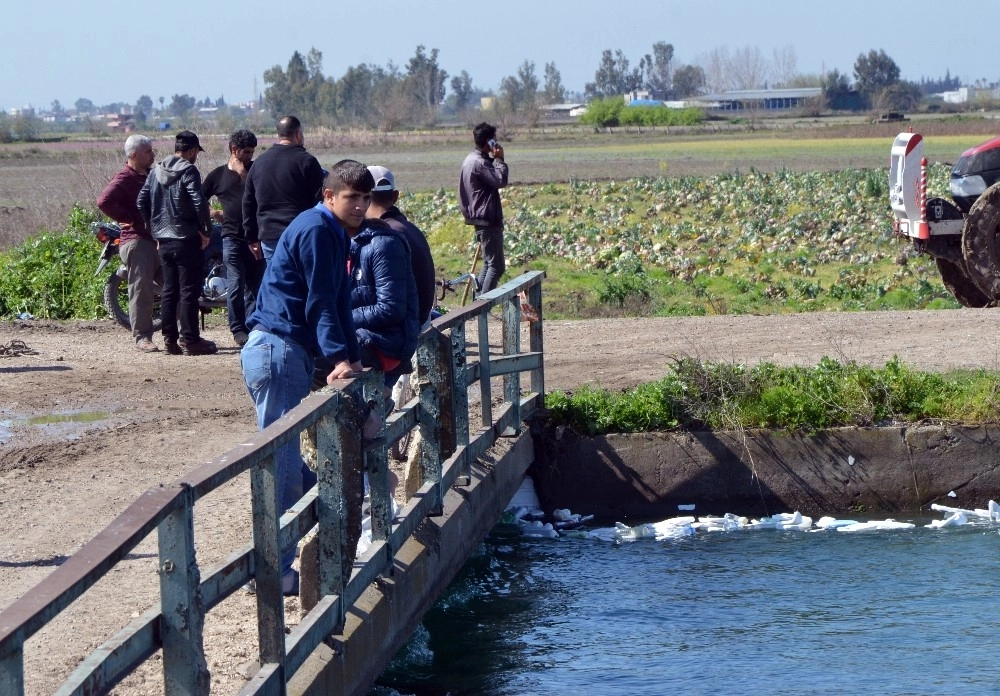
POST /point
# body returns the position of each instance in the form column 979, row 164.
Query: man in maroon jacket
column 138, row 250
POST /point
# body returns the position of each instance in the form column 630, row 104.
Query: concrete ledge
column 389, row 610
column 760, row 472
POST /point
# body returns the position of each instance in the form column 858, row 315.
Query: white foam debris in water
column 952, row 494
column 850, row 460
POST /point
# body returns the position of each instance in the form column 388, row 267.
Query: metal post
column 485, row 388
column 12, row 672
column 512, row 346
column 430, row 366
column 332, row 447
column 267, row 560
column 535, row 341
column 182, row 627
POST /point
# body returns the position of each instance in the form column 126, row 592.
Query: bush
column 697, row 395
column 51, row 275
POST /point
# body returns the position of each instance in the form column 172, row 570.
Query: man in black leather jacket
column 177, row 215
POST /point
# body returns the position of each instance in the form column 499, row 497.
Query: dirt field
column 87, row 424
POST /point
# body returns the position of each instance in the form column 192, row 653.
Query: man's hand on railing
column 343, row 370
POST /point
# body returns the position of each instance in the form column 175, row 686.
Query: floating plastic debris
column 689, row 506
column 952, row 494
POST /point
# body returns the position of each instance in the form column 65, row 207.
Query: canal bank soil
column 87, row 424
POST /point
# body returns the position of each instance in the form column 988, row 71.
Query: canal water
column 747, row 612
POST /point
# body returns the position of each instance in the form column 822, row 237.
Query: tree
column 461, row 91
column 613, row 77
column 657, row 68
column 84, row 106
column 354, row 90
column 144, row 104
column 56, row 107
column 874, row 73
column 425, row 79
column 748, row 68
column 784, row 67
column 553, row 92
column 180, row 104
column 836, row 89
column 689, row 80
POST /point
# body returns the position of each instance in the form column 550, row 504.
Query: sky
column 116, row 51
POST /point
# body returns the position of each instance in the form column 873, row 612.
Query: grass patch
column 697, row 395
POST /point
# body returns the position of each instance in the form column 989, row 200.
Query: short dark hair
column 384, row 198
column 241, row 139
column 483, row 133
column 349, row 174
column 288, row 126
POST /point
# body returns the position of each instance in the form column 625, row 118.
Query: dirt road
column 86, row 424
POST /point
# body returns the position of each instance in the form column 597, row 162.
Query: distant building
column 561, row 110
column 767, row 99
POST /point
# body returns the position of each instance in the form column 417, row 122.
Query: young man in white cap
column 383, row 207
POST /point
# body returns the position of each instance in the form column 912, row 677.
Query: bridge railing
column 440, row 412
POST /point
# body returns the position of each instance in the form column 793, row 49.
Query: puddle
column 55, row 423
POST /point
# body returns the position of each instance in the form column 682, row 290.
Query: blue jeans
column 267, row 249
column 278, row 374
column 243, row 273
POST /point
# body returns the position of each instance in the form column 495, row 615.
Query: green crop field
column 624, row 223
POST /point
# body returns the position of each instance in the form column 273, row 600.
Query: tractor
column 961, row 234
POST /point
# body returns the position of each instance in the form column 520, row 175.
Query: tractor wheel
column 960, row 285
column 981, row 243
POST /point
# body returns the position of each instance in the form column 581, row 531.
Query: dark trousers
column 243, row 273
column 491, row 243
column 183, row 276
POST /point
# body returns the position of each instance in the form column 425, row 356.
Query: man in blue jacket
column 303, row 314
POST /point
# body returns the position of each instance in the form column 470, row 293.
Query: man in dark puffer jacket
column 384, row 299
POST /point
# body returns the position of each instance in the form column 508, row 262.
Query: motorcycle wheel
column 116, row 301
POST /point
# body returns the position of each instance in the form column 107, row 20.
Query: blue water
column 763, row 612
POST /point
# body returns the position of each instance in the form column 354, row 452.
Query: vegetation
column 697, row 395
column 613, row 111
column 732, row 243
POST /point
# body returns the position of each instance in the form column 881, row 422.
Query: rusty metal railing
column 441, row 414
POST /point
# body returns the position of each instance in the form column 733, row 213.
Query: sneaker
column 241, row 338
column 145, row 345
column 199, row 347
column 172, row 346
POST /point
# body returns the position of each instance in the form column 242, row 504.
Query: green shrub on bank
column 51, row 275
column 697, row 395
column 613, row 111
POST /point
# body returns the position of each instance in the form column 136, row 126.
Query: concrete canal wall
column 758, row 472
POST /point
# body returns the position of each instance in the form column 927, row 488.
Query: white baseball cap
column 384, row 180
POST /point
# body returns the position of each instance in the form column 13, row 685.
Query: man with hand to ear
column 304, row 313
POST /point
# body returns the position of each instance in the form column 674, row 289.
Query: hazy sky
column 114, row 50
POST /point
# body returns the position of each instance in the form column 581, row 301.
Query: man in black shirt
column 244, row 263
column 284, row 181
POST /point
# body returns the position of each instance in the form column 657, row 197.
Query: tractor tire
column 958, row 283
column 981, row 243
column 116, row 301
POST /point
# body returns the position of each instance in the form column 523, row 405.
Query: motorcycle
column 115, row 295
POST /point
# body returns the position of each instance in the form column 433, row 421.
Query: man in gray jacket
column 177, row 215
column 484, row 173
